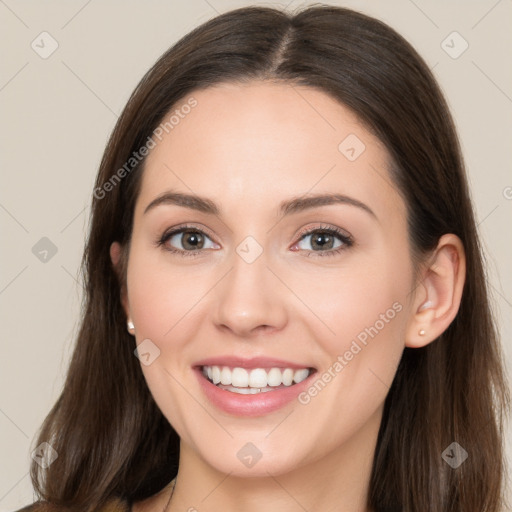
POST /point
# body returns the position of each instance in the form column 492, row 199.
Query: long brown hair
column 111, row 438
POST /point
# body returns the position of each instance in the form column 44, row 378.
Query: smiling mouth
column 246, row 381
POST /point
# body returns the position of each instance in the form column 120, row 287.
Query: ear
column 115, row 256
column 438, row 294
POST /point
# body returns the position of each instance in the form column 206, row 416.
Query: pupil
column 193, row 240
column 326, row 237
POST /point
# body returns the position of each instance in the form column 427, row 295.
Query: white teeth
column 257, row 378
column 300, row 375
column 274, row 377
column 215, row 374
column 240, row 377
column 246, row 391
column 287, row 377
column 225, row 376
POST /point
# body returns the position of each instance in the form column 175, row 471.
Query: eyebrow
column 288, row 207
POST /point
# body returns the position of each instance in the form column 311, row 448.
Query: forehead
column 260, row 142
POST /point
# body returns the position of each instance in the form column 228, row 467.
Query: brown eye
column 186, row 241
column 329, row 241
column 191, row 239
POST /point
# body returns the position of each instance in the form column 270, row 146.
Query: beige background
column 56, row 115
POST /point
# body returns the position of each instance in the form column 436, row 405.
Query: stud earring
column 421, row 332
column 131, row 327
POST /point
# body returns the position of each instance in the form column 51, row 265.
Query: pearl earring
column 421, row 332
column 130, row 326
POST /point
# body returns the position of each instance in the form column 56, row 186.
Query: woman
column 285, row 306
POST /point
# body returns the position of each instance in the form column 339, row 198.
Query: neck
column 338, row 481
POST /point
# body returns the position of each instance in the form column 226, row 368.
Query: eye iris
column 192, row 240
column 327, row 240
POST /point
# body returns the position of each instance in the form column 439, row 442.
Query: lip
column 250, row 405
column 253, row 362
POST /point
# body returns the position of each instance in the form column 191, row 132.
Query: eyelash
column 329, row 230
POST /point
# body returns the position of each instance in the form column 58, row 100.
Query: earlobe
column 115, row 257
column 115, row 253
column 438, row 301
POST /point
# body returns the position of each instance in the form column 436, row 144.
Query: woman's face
column 269, row 285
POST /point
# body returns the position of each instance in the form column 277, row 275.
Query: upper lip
column 253, row 362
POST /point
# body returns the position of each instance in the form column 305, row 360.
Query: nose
column 250, row 300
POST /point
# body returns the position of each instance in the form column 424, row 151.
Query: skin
column 247, row 148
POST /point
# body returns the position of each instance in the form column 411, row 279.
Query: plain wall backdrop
column 67, row 69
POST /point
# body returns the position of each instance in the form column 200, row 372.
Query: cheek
column 366, row 313
column 162, row 298
column 162, row 294
column 357, row 296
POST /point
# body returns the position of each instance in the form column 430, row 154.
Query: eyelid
column 343, row 235
column 183, row 227
column 324, row 227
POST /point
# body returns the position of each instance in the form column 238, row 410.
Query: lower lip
column 250, row 405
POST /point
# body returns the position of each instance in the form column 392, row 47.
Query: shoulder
column 113, row 505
